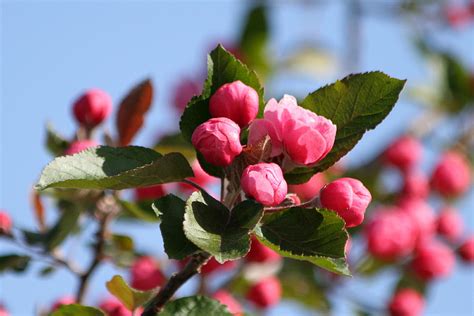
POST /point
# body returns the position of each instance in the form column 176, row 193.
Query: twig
column 175, row 282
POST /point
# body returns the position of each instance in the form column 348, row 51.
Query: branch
column 175, row 282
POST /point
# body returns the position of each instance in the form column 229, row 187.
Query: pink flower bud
column 184, row 91
column 149, row 193
column 406, row 302
column 415, row 184
column 92, row 108
column 265, row 183
column 261, row 253
column 5, row 223
column 80, row 145
column 422, row 216
column 200, row 177
column 450, row 224
column 307, row 191
column 266, row 293
column 433, row 260
column 466, row 251
column 404, row 152
column 3, row 311
column 225, row 298
column 451, row 176
column 218, row 140
column 348, row 198
column 303, row 136
column 146, row 274
column 390, row 234
column 113, row 307
column 236, row 101
column 66, row 300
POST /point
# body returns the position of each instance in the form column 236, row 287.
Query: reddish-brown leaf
column 132, row 110
column 38, row 208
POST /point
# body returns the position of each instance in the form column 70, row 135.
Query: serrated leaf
column 132, row 110
column 75, row 310
column 55, row 143
column 214, row 228
column 114, row 168
column 13, row 262
column 317, row 236
column 194, row 306
column 355, row 104
column 129, row 297
column 171, row 210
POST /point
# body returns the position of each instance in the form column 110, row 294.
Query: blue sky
column 53, row 50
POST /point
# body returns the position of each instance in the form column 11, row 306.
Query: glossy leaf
column 194, row 306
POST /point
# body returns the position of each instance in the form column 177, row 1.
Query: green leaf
column 114, row 168
column 223, row 68
column 171, row 209
column 214, row 228
column 355, row 104
column 76, row 310
column 129, row 297
column 55, row 143
column 317, row 236
column 13, row 262
column 138, row 210
column 175, row 143
column 194, row 306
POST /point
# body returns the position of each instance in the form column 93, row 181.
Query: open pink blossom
column 265, row 183
column 80, row 145
column 225, row 298
column 236, row 101
column 348, row 197
column 451, row 176
column 308, row 190
column 450, row 224
column 404, row 152
column 406, row 302
column 300, row 134
column 390, row 234
column 433, row 260
column 5, row 223
column 218, row 140
column 92, row 108
column 146, row 274
column 266, row 293
column 466, row 251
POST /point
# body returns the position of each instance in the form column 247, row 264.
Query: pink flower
column 450, row 224
column 422, row 215
column 404, row 152
column 80, row 145
column 466, row 251
column 92, row 108
column 113, row 307
column 265, row 183
column 451, row 176
column 261, row 253
column 415, row 184
column 200, row 177
column 146, row 274
column 303, row 136
column 225, row 298
column 184, row 91
column 66, row 300
column 218, row 140
column 390, row 234
column 265, row 293
column 5, row 223
column 307, row 191
column 433, row 260
column 236, row 101
column 149, row 193
column 348, row 197
column 406, row 302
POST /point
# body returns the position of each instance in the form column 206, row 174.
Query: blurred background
column 51, row 51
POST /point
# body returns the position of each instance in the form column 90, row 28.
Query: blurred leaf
column 171, row 209
column 46, row 271
column 214, row 228
column 76, row 310
column 312, row 61
column 114, row 168
column 355, row 104
column 410, row 280
column 317, row 236
column 129, row 297
column 63, row 227
column 459, row 85
column 194, row 306
column 55, row 143
column 175, row 143
column 138, row 210
column 370, row 266
column 13, row 262
column 132, row 110
column 123, row 242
